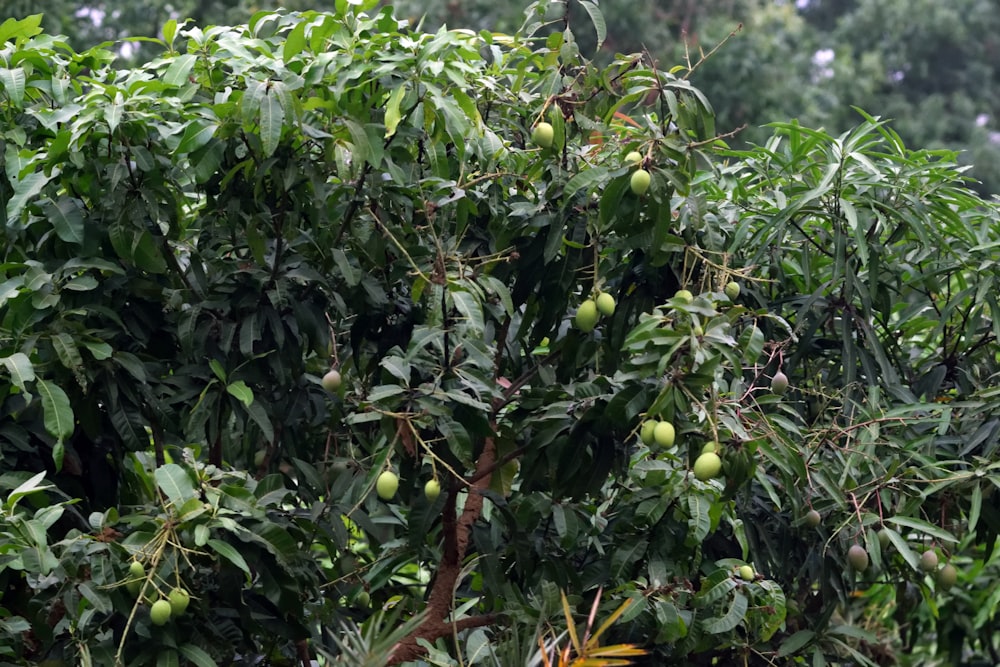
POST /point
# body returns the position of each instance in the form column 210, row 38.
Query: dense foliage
column 928, row 66
column 192, row 244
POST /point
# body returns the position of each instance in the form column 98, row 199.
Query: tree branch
column 457, row 531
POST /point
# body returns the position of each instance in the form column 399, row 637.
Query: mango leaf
column 975, row 507
column 175, row 484
column 295, row 42
column 58, row 454
column 113, row 112
column 57, row 409
column 392, row 112
column 903, row 548
column 230, row 553
column 259, row 416
column 196, row 135
column 27, row 27
column 597, row 18
column 924, row 527
column 241, row 391
column 29, row 486
column 67, row 351
column 25, row 189
column 584, row 180
column 20, row 368
column 98, row 599
column 710, row 592
column 10, row 288
column 624, row 558
column 272, row 119
column 99, row 349
column 177, row 73
column 167, row 658
column 737, row 611
column 276, row 540
column 470, row 308
column 795, row 642
column 169, row 32
column 197, row 655
column 13, row 81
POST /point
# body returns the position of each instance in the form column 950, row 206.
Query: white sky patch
column 821, row 61
column 982, row 119
column 95, row 15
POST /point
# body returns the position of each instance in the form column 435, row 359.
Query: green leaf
column 179, row 70
column 912, row 559
column 975, row 507
column 924, row 527
column 384, row 391
column 27, row 487
column 81, row 284
column 796, row 642
column 626, row 556
column 57, row 409
column 197, row 655
column 175, row 483
column 351, row 275
column 98, row 599
column 146, row 254
column 260, row 417
column 25, row 189
column 20, row 368
column 98, row 349
column 114, row 111
column 584, row 180
column 250, row 104
column 597, row 18
column 169, row 32
column 272, row 118
column 469, row 307
column 295, row 42
column 733, row 617
column 700, row 521
column 217, row 368
column 167, row 658
column 14, row 625
column 228, row 552
column 711, row 593
column 58, row 454
column 392, row 113
column 67, row 351
column 196, row 135
column 363, row 150
column 853, row 632
column 13, row 81
column 277, row 541
column 25, row 28
column 241, row 391
column 132, row 365
column 10, row 288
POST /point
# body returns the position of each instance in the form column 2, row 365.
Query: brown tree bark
column 457, row 530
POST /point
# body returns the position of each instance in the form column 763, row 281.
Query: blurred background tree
column 930, row 66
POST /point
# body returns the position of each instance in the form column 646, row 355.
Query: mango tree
column 312, row 330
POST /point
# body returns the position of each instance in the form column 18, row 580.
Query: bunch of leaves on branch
column 324, row 338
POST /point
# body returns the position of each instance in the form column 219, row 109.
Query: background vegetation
column 194, row 239
column 928, row 66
